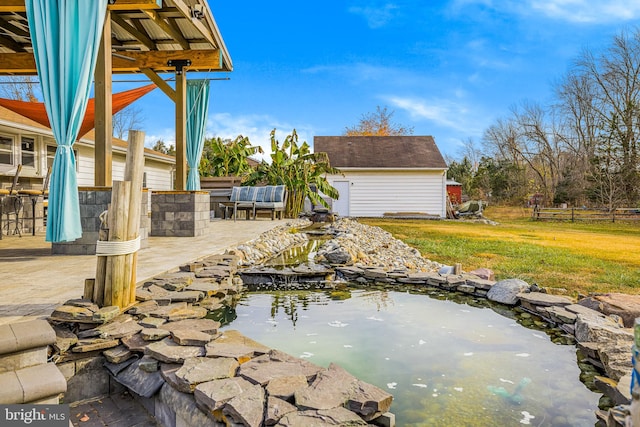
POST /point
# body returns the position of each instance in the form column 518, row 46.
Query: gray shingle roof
column 380, row 151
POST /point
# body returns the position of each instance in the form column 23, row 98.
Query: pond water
column 446, row 364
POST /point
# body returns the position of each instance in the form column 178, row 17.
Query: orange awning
column 37, row 112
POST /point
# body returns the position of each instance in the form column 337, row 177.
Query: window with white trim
column 28, row 151
column 51, row 153
column 6, row 150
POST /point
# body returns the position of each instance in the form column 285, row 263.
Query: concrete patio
column 33, row 282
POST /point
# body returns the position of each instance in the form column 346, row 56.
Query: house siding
column 374, row 193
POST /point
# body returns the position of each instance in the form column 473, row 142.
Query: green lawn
column 566, row 257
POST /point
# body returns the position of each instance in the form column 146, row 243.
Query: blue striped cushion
column 278, row 195
column 260, row 194
column 235, row 194
column 252, row 193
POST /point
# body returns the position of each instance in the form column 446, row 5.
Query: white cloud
column 227, row 126
column 444, row 113
column 375, row 16
column 588, row 11
column 256, row 127
column 575, row 11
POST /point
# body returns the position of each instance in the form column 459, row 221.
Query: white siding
column 158, row 173
column 372, row 194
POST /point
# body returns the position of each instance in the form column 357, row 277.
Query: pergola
column 140, row 36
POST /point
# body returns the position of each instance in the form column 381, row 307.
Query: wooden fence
column 583, row 214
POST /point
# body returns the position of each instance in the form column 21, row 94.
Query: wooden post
column 134, row 173
column 115, row 280
column 103, row 110
column 181, row 131
column 101, row 269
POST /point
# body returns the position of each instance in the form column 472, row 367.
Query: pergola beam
column 159, row 81
column 18, row 5
column 24, row 63
column 141, row 36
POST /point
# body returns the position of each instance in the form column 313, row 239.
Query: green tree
column 462, row 172
column 295, row 166
column 378, row 124
column 161, row 147
column 227, row 157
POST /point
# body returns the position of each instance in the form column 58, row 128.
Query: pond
column 446, row 363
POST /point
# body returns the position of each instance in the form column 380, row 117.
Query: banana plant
column 227, row 157
column 295, row 166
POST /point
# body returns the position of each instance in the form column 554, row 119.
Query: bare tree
column 378, row 124
column 130, row 117
column 21, row 88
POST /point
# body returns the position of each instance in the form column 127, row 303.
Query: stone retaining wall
column 179, row 213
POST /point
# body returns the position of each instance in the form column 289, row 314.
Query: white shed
column 392, row 175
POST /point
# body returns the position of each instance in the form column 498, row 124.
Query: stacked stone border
column 186, row 372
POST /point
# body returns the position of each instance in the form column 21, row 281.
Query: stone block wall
column 179, row 213
column 94, row 201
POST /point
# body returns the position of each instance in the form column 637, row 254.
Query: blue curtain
column 197, row 110
column 66, row 36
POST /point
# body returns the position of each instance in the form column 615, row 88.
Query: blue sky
column 449, row 68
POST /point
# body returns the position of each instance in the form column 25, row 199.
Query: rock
column 211, row 303
column 70, row 313
column 166, row 311
column 532, row 300
column 118, row 354
column 477, row 282
column 326, row 417
column 154, row 334
column 84, row 303
column 148, row 364
column 336, row 387
column 207, row 288
column 618, row 391
column 338, row 257
column 506, row 291
column 616, row 358
column 276, row 409
column 152, row 322
column 106, row 314
column 600, row 330
column 86, row 345
column 624, row 305
column 190, row 337
column 198, row 370
column 169, row 352
column 484, row 273
column 64, row 339
column 285, row 387
column 143, row 383
column 203, row 325
column 583, row 311
column 247, row 408
column 560, row 315
column 122, row 326
column 186, row 296
column 275, row 364
column 233, row 344
column 213, row 395
column 143, row 308
column 135, row 343
column 185, row 408
column 375, row 273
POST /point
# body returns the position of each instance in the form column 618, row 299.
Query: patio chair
column 34, row 194
column 11, row 206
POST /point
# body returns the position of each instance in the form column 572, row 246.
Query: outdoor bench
column 272, row 198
